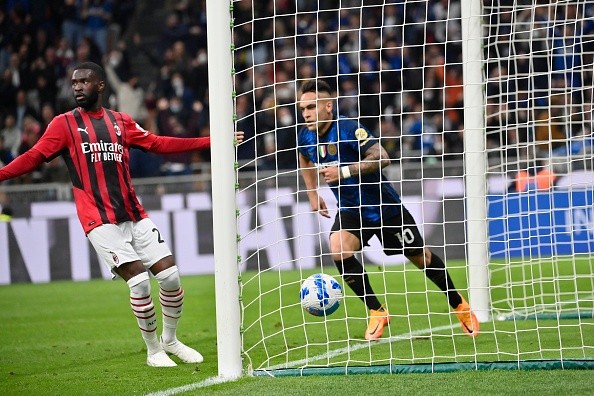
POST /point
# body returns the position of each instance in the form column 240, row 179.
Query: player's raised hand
column 238, row 137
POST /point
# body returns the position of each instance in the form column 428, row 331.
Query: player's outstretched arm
column 21, row 165
column 170, row 144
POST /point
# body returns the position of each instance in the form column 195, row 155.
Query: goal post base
column 569, row 364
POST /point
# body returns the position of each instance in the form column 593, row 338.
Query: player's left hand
column 238, row 137
column 330, row 174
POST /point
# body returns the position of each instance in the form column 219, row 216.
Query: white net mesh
column 396, row 67
column 539, row 64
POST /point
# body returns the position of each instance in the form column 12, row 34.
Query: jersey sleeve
column 53, row 139
column 136, row 136
column 21, row 165
column 48, row 147
column 364, row 139
column 303, row 143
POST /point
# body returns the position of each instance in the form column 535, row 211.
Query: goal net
column 401, row 69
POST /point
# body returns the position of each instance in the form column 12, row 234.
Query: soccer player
column 350, row 159
column 94, row 142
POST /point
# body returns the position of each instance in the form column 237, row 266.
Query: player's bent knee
column 140, row 285
column 421, row 257
column 168, row 279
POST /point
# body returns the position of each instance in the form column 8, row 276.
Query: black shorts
column 398, row 235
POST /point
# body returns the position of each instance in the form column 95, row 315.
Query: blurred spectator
column 549, row 129
column 198, row 118
column 537, row 177
column 171, row 122
column 23, row 109
column 177, row 88
column 48, row 112
column 174, row 30
column 390, row 136
column 6, row 156
column 64, row 55
column 8, row 90
column 246, row 122
column 64, row 98
column 276, row 136
column 130, row 96
column 4, row 31
column 72, row 25
column 31, row 134
column 96, row 15
column 11, row 135
column 420, row 133
column 44, row 89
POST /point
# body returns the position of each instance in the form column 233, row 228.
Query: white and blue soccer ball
column 320, row 294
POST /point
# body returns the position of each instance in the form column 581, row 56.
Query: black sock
column 355, row 276
column 437, row 272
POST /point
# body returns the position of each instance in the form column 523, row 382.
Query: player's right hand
column 319, row 205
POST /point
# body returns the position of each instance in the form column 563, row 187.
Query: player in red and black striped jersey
column 95, row 143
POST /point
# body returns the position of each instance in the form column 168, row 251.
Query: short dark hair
column 98, row 70
column 316, row 86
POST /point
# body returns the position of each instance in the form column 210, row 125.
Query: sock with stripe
column 144, row 310
column 171, row 297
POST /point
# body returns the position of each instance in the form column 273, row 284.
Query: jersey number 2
column 158, row 235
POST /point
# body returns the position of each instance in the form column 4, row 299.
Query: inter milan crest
column 118, row 131
column 332, row 150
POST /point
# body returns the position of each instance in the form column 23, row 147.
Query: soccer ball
column 320, row 294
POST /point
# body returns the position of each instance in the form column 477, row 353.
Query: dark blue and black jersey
column 371, row 195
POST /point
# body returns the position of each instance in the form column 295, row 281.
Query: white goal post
column 485, row 108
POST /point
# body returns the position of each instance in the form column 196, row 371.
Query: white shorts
column 129, row 241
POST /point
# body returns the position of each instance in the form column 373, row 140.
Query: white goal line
column 341, row 351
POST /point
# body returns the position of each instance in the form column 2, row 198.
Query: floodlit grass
column 422, row 327
column 78, row 338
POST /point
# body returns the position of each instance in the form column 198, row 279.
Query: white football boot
column 184, row 352
column 160, row 359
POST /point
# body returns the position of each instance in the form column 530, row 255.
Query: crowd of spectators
column 396, row 65
column 540, row 65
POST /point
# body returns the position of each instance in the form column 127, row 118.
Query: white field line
column 196, row 385
column 535, row 309
column 356, row 347
column 341, row 351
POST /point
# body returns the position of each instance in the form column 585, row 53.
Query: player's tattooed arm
column 376, row 158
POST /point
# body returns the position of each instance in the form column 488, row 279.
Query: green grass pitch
column 66, row 338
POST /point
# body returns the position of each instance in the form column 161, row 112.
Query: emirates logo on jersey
column 118, row 131
column 103, row 151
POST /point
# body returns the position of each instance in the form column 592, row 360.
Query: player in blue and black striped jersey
column 348, row 157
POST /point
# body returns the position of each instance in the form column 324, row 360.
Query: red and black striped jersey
column 96, row 147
